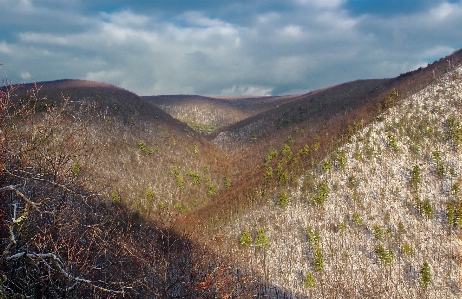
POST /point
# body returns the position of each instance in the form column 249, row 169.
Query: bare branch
column 14, row 188
column 59, row 264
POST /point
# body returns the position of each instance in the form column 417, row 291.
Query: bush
column 226, row 182
column 309, row 281
column 386, row 256
column 415, row 177
column 261, row 240
column 283, row 199
column 392, row 143
column 246, row 238
column 425, row 275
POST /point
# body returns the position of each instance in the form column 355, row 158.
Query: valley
column 350, row 191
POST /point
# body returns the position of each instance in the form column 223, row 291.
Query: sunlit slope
column 142, row 156
column 379, row 217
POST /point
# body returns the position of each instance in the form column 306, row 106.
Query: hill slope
column 350, row 191
column 207, row 114
column 365, row 221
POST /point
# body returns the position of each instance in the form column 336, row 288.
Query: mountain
column 348, row 191
column 207, row 114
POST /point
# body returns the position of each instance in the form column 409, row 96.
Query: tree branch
column 14, row 188
column 59, row 264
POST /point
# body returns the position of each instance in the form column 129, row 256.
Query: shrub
column 314, row 238
column 415, row 177
column 386, row 256
column 180, row 208
column 261, row 240
column 246, row 238
column 270, row 156
column 175, row 171
column 322, row 192
column 427, row 209
column 212, row 188
column 318, row 259
column 76, row 168
column 180, row 181
column 408, row 250
column 226, row 182
column 195, row 177
column 341, row 160
column 326, row 165
column 377, row 232
column 269, row 173
column 357, row 219
column 149, row 194
column 283, row 199
column 425, row 275
column 392, row 143
column 309, row 281
column 115, row 197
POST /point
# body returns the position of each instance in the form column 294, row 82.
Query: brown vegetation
column 102, row 193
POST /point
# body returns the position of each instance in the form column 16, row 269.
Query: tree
column 53, row 247
column 425, row 275
column 283, row 199
column 261, row 240
column 246, row 238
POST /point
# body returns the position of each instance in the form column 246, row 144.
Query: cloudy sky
column 215, row 47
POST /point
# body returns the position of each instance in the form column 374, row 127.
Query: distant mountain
column 207, row 114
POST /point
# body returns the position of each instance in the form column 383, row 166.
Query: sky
column 215, row 47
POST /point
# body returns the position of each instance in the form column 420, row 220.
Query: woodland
column 350, row 191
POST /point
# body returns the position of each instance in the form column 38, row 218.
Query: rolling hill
column 349, row 191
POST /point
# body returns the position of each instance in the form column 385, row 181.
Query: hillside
column 349, row 191
column 207, row 114
column 137, row 148
column 366, row 219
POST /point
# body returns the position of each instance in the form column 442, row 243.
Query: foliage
column 386, row 256
column 180, row 181
column 212, row 189
column 270, row 156
column 357, row 219
column 425, row 275
column 269, row 173
column 261, row 240
column 226, row 182
column 415, row 177
column 309, row 281
column 115, row 197
column 76, row 168
column 408, row 250
column 246, row 238
column 322, row 192
column 392, row 142
column 326, row 165
column 195, row 177
column 283, row 199
column 377, row 232
column 342, row 160
column 149, row 194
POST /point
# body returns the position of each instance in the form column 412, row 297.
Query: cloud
column 259, row 48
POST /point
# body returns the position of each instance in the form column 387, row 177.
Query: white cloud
column 321, row 3
column 26, row 76
column 237, row 90
column 316, row 44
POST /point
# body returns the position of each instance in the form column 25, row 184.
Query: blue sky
column 214, row 47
